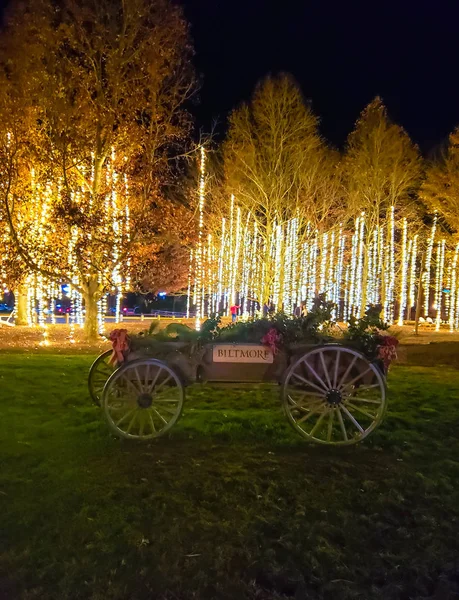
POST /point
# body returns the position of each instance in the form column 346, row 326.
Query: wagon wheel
column 143, row 399
column 334, row 395
column 99, row 372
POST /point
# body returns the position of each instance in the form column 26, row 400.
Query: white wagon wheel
column 99, row 372
column 334, row 395
column 143, row 399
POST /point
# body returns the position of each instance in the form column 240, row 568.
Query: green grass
column 232, row 505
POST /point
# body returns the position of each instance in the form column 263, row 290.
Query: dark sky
column 342, row 53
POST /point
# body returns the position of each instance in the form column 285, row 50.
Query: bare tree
column 278, row 166
column 440, row 190
column 382, row 169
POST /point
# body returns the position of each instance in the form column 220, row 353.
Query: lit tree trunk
column 91, row 296
column 267, row 265
column 21, row 305
column 364, row 284
column 419, row 296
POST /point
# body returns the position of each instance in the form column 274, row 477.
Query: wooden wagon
column 330, row 394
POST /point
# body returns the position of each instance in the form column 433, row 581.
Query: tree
column 278, row 166
column 382, row 170
column 105, row 81
column 382, row 167
column 440, row 190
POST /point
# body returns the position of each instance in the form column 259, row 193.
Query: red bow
column 387, row 350
column 120, row 344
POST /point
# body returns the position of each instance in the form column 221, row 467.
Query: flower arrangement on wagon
column 278, row 332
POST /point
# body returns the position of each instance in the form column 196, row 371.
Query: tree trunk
column 419, row 297
column 91, row 296
column 21, row 306
column 364, row 284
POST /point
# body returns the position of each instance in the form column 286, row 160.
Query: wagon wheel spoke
column 343, row 427
column 306, row 382
column 317, row 424
column 163, row 400
column 352, row 419
column 141, row 423
column 346, row 373
column 335, row 374
column 368, row 387
column 131, row 385
column 162, row 384
column 151, row 385
column 366, row 400
column 361, row 410
column 322, row 383
column 139, row 381
column 304, row 396
column 171, row 411
column 309, row 414
column 99, row 373
column 160, row 416
column 330, row 425
column 125, row 417
column 356, row 378
column 325, row 368
column 153, row 428
column 131, row 422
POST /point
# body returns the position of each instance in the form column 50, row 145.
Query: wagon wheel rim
column 101, row 369
column 143, row 399
column 334, row 395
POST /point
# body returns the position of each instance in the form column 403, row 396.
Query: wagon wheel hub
column 144, row 400
column 334, row 397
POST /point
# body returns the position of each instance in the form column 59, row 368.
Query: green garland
column 316, row 328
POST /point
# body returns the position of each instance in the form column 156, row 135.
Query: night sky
column 342, row 53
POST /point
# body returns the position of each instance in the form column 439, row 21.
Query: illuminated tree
column 382, row 171
column 106, row 81
column 382, row 167
column 278, row 167
column 440, row 190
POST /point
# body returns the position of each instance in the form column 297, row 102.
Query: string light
column 403, row 278
column 439, row 282
column 453, row 291
column 412, row 284
column 426, row 274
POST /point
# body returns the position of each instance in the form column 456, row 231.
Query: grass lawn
column 232, row 505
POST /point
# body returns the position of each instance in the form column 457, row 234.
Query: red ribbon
column 387, row 350
column 120, row 344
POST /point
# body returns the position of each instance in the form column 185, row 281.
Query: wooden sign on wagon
column 239, row 353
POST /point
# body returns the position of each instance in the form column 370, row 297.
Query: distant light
column 161, row 294
column 65, row 289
